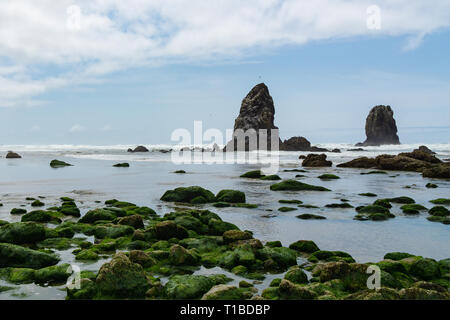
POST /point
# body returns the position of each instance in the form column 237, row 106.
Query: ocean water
column 92, row 178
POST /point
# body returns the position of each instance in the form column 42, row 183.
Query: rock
column 442, row 201
column 12, row 155
column 257, row 112
column 98, row 214
column 422, row 294
column 306, row 246
column 138, row 149
column 58, row 164
column 291, row 291
column 230, row 196
column 122, row 165
column 301, row 144
column 441, row 171
column 188, row 194
column 86, row 255
column 373, row 212
column 328, row 176
column 439, row 211
column 223, row 292
column 255, row 174
column 293, row 185
column 380, row 127
column 142, row 258
column 52, row 274
column 18, row 211
column 421, row 155
column 112, row 231
column 424, row 149
column 41, row 216
column 134, row 221
column 181, row 256
column 121, row 278
column 22, row 232
column 169, row 229
column 309, row 216
column 362, row 162
column 235, row 235
column 286, row 209
column 12, row 255
column 356, row 149
column 296, row 275
column 316, row 160
column 87, row 290
column 397, row 256
column 188, row 286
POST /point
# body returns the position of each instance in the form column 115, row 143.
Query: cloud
column 76, row 128
column 46, row 45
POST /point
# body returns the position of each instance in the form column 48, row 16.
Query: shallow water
column 92, row 178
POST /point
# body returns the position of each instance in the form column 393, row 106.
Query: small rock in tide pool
column 12, row 155
column 122, row 165
column 58, row 164
column 179, row 171
column 309, row 216
column 286, row 209
column 431, row 185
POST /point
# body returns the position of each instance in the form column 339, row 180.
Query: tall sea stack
column 257, row 112
column 380, row 127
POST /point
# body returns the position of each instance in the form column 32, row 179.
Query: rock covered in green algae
column 291, row 291
column 324, row 255
column 188, row 286
column 286, row 209
column 383, row 203
column 58, row 164
column 339, row 205
column 230, row 196
column 439, row 211
column 18, row 211
column 306, row 246
column 42, row 216
column 52, row 274
column 290, row 201
column 235, row 235
column 255, row 174
column 441, row 201
column 293, row 185
column 22, row 232
column 310, row 216
column 223, row 292
column 12, row 255
column 412, row 208
column 143, row 258
column 98, row 214
column 373, row 212
column 402, row 200
column 87, row 255
column 367, row 194
column 328, row 176
column 187, row 194
column 169, row 229
column 271, row 177
column 134, row 221
column 181, row 256
column 426, row 269
column 121, row 165
column 397, row 255
column 37, row 203
column 121, row 278
column 296, row 275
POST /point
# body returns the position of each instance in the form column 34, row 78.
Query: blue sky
column 323, row 87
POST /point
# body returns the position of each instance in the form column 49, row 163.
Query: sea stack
column 380, row 127
column 257, row 112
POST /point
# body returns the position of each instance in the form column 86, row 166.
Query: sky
column 116, row 72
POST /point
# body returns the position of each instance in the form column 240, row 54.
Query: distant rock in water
column 59, row 164
column 138, row 149
column 257, row 112
column 380, row 127
column 296, row 144
column 12, row 155
column 356, row 149
column 316, row 160
column 424, row 149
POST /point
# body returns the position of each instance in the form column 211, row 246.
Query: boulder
column 12, row 255
column 169, row 229
column 380, row 127
column 316, row 160
column 134, row 221
column 120, row 278
column 59, row 164
column 22, row 232
column 362, row 162
column 188, row 286
column 138, row 149
column 194, row 194
column 223, row 292
column 257, row 112
column 12, row 155
column 293, row 185
column 424, row 149
column 230, row 196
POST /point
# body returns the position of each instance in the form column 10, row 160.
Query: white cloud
column 39, row 52
column 76, row 128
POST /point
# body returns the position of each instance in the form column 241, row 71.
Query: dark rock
column 421, row 155
column 296, row 144
column 424, row 149
column 138, row 149
column 12, row 155
column 362, row 162
column 316, row 160
column 356, row 149
column 58, row 164
column 257, row 112
column 336, row 150
column 380, row 127
column 12, row 255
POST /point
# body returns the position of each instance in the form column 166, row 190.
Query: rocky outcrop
column 257, row 112
column 300, row 144
column 424, row 149
column 12, row 155
column 380, row 127
column 138, row 149
column 316, row 160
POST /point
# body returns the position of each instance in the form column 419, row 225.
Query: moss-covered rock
column 255, row 174
column 283, row 257
column 402, row 200
column 37, row 203
column 324, row 255
column 296, row 275
column 223, row 292
column 87, row 290
column 306, row 246
column 290, row 201
column 52, row 274
column 426, row 269
column 21, row 275
column 42, row 216
column 383, row 203
column 18, row 211
column 439, row 211
column 441, row 201
column 186, row 194
column 373, row 212
column 291, row 291
column 169, row 229
column 235, row 235
column 310, row 216
column 397, row 255
column 412, row 208
column 286, row 209
column 218, row 227
column 58, row 164
column 112, row 231
column 120, row 278
column 12, row 255
column 181, row 256
column 231, row 196
column 98, row 214
column 22, row 232
column 134, row 221
column 87, row 255
column 328, row 176
column 187, row 286
column 271, row 177
column 339, row 205
column 293, row 185
column 367, row 194
column 121, row 165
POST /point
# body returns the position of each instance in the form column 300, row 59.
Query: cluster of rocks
column 418, row 160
